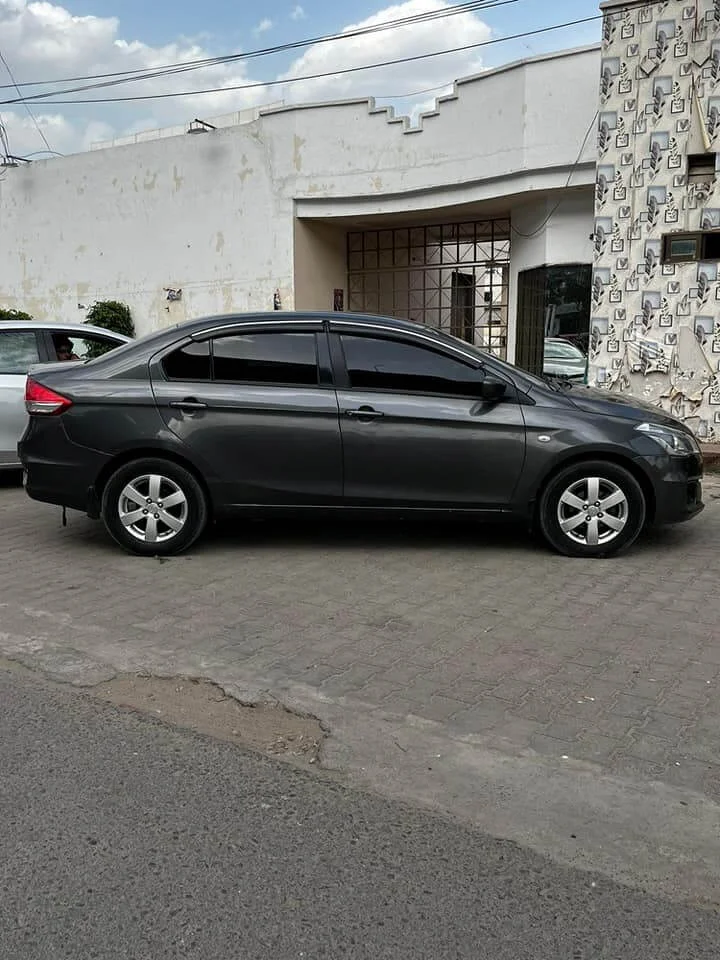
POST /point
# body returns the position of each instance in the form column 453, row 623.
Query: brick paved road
column 614, row 662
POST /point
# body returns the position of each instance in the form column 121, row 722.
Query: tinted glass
column 375, row 364
column 288, row 359
column 18, row 351
column 191, row 362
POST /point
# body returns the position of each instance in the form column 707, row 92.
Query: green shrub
column 112, row 315
column 15, row 315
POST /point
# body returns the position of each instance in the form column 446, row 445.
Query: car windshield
column 561, row 350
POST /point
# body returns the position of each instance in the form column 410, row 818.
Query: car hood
column 615, row 405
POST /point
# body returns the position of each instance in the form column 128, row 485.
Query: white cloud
column 42, row 40
column 410, row 40
column 264, row 26
column 297, row 13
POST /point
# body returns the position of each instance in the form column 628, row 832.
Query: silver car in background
column 564, row 359
column 25, row 344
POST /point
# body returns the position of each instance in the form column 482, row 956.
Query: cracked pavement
column 458, row 665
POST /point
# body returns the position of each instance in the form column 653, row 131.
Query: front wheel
column 154, row 507
column 592, row 509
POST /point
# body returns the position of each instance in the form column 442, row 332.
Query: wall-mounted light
column 200, row 126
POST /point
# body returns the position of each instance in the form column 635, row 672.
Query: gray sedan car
column 22, row 345
column 336, row 411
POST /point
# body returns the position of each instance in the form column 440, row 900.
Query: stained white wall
column 213, row 214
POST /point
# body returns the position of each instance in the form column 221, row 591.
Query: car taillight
column 42, row 400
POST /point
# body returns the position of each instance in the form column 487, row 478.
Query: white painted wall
column 213, row 214
column 552, row 231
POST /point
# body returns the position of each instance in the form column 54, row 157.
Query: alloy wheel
column 153, row 508
column 593, row 511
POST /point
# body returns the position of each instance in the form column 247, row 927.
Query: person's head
column 64, row 348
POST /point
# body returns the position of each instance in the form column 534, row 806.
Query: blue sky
column 53, row 39
column 228, row 26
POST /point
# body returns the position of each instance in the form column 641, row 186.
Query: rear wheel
column 154, row 507
column 592, row 509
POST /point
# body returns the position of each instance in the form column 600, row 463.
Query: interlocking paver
column 615, row 663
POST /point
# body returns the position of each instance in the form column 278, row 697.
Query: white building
column 338, row 205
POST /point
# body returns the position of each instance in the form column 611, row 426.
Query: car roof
column 55, row 327
column 201, row 323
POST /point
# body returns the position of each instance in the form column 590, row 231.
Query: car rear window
column 18, row 351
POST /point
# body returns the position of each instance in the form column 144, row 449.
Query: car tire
column 592, row 509
column 154, row 507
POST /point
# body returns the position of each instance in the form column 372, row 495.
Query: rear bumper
column 56, row 470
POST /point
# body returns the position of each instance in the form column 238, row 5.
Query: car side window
column 284, row 359
column 81, row 346
column 380, row 364
column 190, row 362
column 18, row 351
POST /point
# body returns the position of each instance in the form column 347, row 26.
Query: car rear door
column 415, row 431
column 256, row 407
column 19, row 350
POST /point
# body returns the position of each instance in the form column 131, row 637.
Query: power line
column 573, row 169
column 30, row 113
column 130, row 76
column 316, row 76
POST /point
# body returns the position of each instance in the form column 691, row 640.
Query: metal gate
column 453, row 277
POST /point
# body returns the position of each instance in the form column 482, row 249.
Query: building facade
column 655, row 318
column 331, row 206
column 556, row 197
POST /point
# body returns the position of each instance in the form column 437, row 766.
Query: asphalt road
column 124, row 838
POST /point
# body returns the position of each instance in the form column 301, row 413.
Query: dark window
column 392, row 365
column 18, row 351
column 288, row 359
column 691, row 247
column 191, row 362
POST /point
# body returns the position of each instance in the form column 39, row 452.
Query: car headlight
column 677, row 443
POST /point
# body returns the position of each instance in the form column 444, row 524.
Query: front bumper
column 678, row 488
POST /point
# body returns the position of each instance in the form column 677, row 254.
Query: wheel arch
column 145, row 453
column 586, row 457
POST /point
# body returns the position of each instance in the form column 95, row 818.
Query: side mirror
column 492, row 390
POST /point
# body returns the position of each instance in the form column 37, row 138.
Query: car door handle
column 364, row 413
column 188, row 404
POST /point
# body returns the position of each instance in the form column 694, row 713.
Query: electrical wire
column 27, row 107
column 130, row 76
column 573, row 170
column 316, row 76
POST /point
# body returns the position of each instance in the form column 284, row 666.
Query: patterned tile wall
column 655, row 328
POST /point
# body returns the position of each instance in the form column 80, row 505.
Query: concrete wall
column 213, row 214
column 320, row 264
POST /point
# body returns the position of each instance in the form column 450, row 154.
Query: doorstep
column 711, row 456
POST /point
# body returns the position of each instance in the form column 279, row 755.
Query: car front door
column 257, row 410
column 416, row 432
column 19, row 350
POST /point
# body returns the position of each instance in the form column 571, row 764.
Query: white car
column 23, row 345
column 563, row 359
